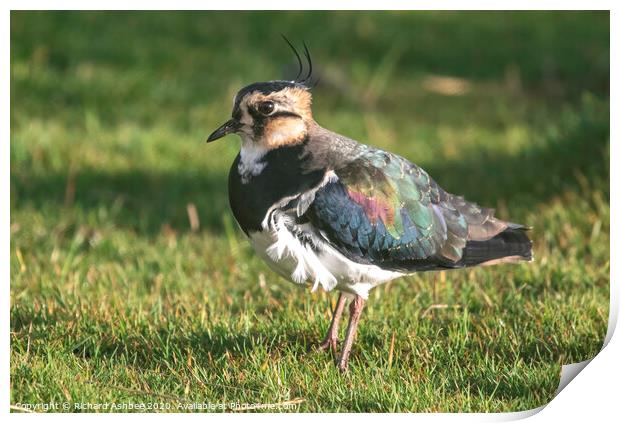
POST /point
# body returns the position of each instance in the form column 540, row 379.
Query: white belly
column 327, row 268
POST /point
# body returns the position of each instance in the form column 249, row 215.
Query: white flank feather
column 322, row 266
column 314, row 261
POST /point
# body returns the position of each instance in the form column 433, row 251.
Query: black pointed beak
column 227, row 128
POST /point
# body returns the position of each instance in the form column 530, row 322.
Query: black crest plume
column 300, row 63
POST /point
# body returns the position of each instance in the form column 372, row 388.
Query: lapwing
column 329, row 212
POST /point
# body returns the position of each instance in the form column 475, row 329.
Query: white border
column 593, row 393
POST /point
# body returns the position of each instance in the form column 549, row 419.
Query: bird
column 326, row 211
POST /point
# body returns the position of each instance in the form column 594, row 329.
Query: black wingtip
column 509, row 246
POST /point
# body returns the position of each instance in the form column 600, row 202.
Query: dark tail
column 511, row 245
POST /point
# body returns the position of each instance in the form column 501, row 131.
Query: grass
column 116, row 299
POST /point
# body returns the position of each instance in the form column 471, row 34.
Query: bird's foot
column 343, row 364
column 329, row 343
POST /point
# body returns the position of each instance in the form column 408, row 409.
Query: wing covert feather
column 384, row 210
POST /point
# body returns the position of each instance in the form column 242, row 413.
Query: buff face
column 269, row 115
column 275, row 119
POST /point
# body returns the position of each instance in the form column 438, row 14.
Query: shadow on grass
column 137, row 200
column 216, row 347
column 146, row 345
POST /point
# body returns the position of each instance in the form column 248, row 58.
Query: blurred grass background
column 115, row 296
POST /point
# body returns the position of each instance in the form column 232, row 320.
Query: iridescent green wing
column 385, row 210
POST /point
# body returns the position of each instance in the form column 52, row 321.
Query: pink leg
column 331, row 339
column 355, row 310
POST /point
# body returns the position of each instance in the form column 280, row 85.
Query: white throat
column 251, row 163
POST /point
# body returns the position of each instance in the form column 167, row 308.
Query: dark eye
column 266, row 107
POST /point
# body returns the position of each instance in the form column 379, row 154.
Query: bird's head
column 272, row 114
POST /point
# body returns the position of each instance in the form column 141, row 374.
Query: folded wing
column 384, row 210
